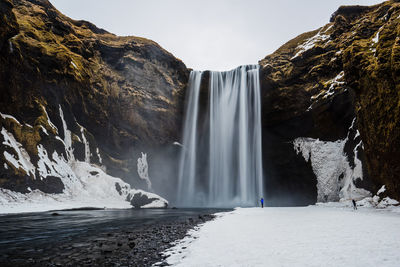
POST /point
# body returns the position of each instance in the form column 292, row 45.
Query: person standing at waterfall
column 262, row 202
column 354, row 204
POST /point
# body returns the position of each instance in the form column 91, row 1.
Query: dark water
column 27, row 232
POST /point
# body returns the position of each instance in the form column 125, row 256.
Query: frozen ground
column 298, row 236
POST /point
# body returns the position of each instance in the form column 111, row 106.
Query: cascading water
column 221, row 164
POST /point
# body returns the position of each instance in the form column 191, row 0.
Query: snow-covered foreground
column 298, row 236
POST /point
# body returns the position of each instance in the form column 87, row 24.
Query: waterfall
column 221, row 164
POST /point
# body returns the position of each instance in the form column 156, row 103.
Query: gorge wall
column 338, row 82
column 123, row 94
column 335, row 88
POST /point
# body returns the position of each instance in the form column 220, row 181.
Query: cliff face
column 336, row 83
column 71, row 92
column 113, row 96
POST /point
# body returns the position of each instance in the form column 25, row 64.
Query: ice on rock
column 98, row 155
column 49, row 121
column 329, row 162
column 381, row 190
column 86, row 143
column 143, row 169
column 44, row 130
column 177, row 144
column 67, row 138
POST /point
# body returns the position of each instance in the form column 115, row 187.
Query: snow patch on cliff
column 49, row 121
column 98, row 155
column 311, row 42
column 67, row 138
column 375, row 40
column 6, row 116
column 86, row 143
column 21, row 160
column 333, row 83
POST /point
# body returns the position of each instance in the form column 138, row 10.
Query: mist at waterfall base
column 221, row 163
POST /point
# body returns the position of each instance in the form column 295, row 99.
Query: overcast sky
column 209, row 34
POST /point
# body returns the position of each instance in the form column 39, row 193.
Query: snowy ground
column 298, row 236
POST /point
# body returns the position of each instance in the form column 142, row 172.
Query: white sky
column 209, row 34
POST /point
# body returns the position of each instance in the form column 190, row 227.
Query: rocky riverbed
column 130, row 246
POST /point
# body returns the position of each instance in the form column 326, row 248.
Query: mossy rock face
column 127, row 92
column 295, row 86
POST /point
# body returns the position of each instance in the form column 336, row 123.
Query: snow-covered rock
column 386, row 202
column 83, row 184
column 86, row 185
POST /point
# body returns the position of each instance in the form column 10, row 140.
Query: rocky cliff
column 70, row 87
column 336, row 86
column 78, row 103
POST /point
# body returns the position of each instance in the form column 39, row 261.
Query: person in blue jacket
column 262, row 202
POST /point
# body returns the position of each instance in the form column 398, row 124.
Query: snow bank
column 380, row 203
column 272, row 237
